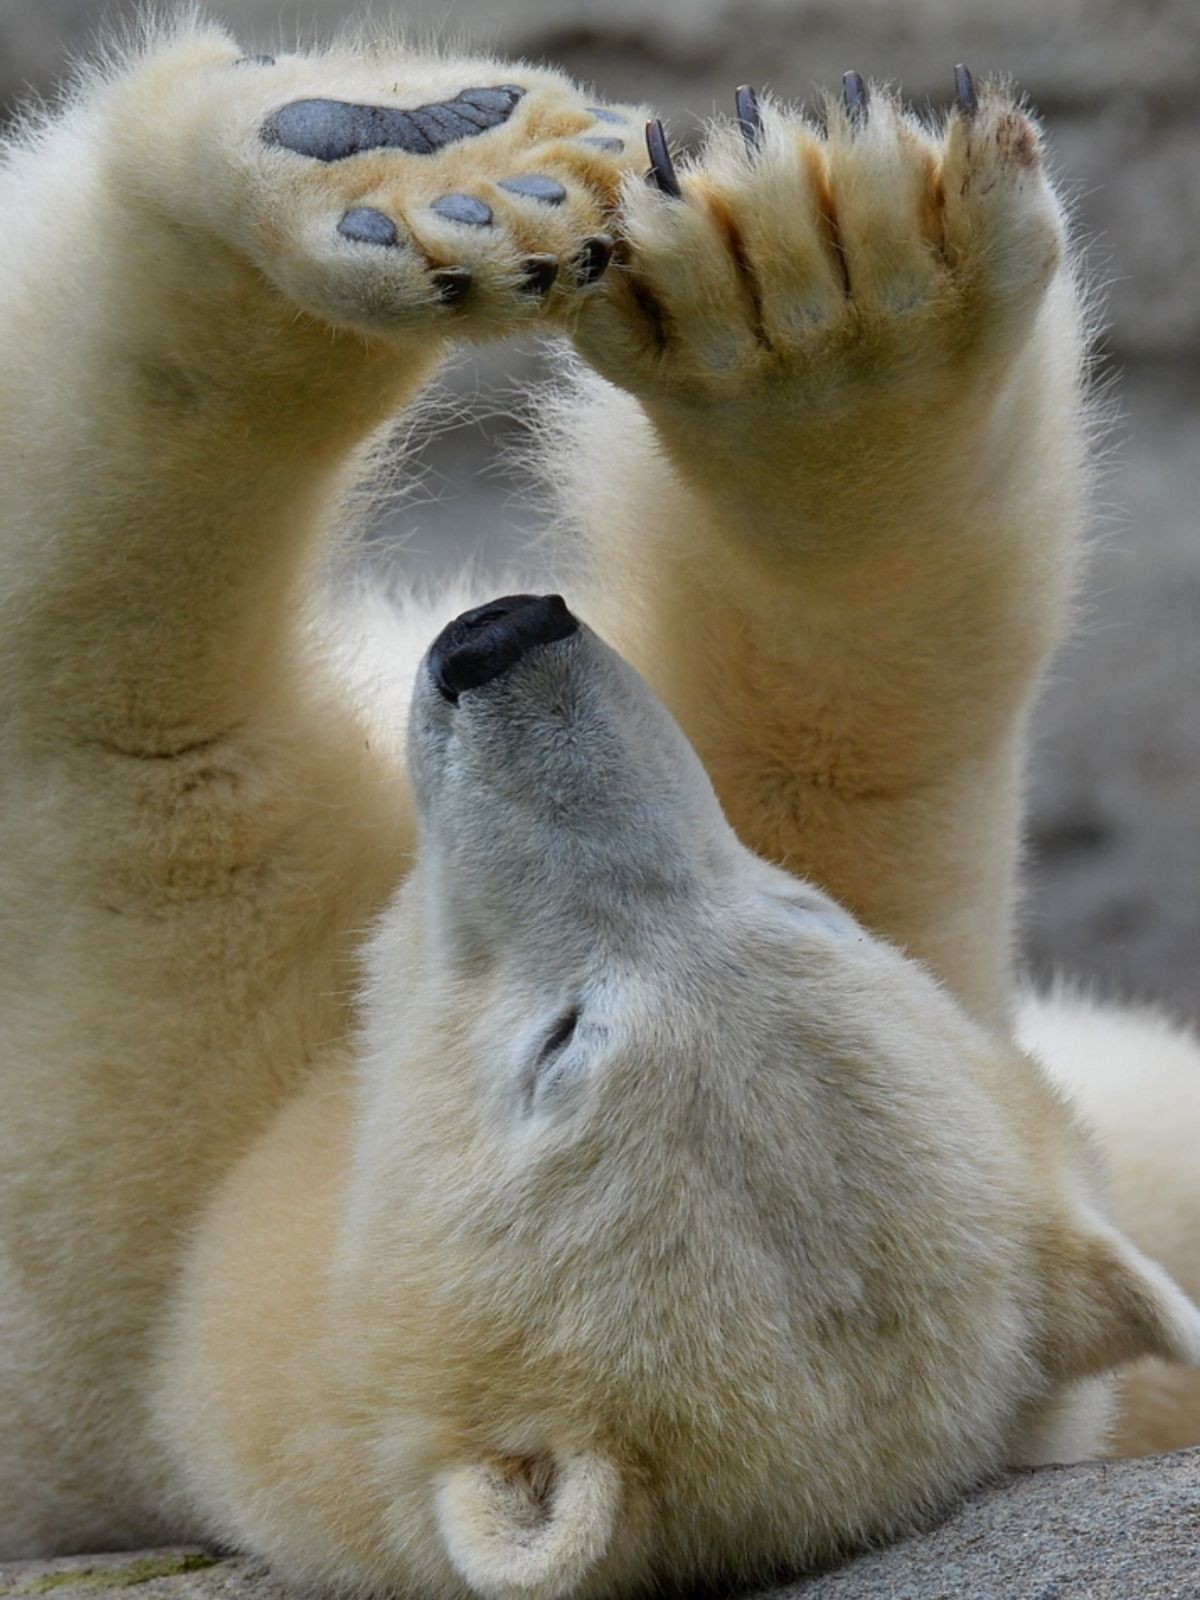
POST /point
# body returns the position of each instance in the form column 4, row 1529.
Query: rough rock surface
column 184, row 1573
column 1125, row 1530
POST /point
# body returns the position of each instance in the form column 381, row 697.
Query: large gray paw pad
column 331, row 130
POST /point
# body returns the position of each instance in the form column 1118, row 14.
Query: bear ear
column 1110, row 1304
column 528, row 1526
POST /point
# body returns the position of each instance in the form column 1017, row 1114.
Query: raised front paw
column 802, row 267
column 382, row 190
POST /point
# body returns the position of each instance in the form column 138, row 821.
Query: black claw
column 453, row 284
column 662, row 168
column 964, row 91
column 592, row 261
column 749, row 116
column 255, row 61
column 855, row 99
column 365, row 225
column 539, row 273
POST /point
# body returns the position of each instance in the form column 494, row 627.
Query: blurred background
column 1113, row 866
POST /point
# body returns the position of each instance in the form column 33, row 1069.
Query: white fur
column 305, row 1244
column 1135, row 1076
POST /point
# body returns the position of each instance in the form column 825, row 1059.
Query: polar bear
column 527, row 1104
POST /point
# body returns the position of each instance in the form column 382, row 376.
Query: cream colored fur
column 303, row 1244
column 1135, row 1077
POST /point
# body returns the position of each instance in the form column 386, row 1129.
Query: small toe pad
column 535, row 186
column 463, row 208
column 365, row 225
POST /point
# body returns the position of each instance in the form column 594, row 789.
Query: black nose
column 481, row 644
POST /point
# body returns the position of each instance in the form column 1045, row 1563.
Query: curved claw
column 749, row 116
column 855, row 99
column 662, row 168
column 538, row 274
column 594, row 256
column 453, row 284
column 964, row 91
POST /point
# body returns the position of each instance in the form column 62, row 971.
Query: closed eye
column 559, row 1034
column 544, row 1076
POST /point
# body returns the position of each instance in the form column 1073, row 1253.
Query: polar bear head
column 706, row 1234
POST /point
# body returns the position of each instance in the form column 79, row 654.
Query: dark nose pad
column 483, row 643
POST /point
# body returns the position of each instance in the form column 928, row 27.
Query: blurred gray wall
column 1114, row 859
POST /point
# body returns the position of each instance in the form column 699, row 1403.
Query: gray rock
column 1126, row 1530
column 183, row 1573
